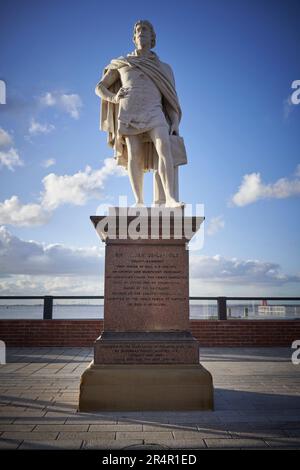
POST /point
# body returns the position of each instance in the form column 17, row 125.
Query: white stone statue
column 140, row 113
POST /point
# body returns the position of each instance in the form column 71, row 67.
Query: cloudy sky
column 234, row 64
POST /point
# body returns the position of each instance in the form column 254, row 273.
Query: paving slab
column 51, row 445
column 282, row 443
column 178, row 443
column 9, row 444
column 116, row 427
column 113, row 444
column 109, row 435
column 235, row 443
column 154, row 435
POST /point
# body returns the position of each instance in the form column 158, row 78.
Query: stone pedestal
column 146, row 357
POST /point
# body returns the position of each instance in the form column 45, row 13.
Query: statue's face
column 143, row 36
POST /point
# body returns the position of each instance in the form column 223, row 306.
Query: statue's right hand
column 122, row 93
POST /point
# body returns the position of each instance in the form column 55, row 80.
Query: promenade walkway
column 257, row 405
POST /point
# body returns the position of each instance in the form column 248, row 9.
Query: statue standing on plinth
column 140, row 112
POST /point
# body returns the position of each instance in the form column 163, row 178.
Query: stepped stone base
column 154, row 387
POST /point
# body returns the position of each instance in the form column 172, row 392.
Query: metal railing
column 222, row 308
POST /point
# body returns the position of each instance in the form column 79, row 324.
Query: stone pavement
column 257, row 405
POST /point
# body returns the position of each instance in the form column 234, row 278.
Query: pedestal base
column 146, row 348
column 148, row 387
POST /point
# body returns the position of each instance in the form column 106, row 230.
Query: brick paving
column 257, row 405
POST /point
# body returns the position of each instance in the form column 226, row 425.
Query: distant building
column 272, row 310
column 276, row 310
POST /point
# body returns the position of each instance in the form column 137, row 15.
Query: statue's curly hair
column 147, row 23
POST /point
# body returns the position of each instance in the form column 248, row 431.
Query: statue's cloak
column 162, row 75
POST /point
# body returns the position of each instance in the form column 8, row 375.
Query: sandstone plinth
column 146, row 357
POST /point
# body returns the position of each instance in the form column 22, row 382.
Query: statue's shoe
column 174, row 204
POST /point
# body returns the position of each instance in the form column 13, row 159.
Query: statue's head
column 143, row 31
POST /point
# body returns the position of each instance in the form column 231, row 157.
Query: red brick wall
column 246, row 332
column 208, row 332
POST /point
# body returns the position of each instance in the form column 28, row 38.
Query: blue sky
column 234, row 63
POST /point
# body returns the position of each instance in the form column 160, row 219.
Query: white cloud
column 50, row 285
column 10, row 159
column 78, row 188
column 38, row 128
column 74, row 189
column 13, row 212
column 215, row 224
column 34, row 258
column 31, row 267
column 252, row 189
column 69, row 103
column 59, row 285
column 47, row 99
column 235, row 271
column 5, row 138
column 49, row 162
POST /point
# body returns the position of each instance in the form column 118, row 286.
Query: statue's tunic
column 151, row 87
column 141, row 109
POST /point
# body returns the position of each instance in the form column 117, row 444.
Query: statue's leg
column 176, row 183
column 159, row 196
column 136, row 166
column 161, row 140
